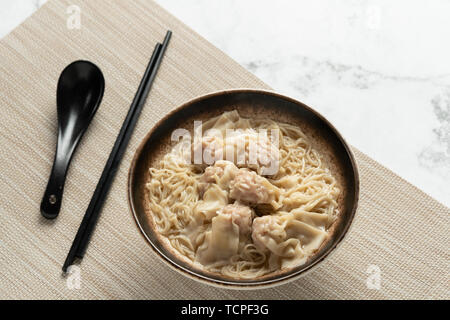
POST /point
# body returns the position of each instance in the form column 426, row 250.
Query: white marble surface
column 379, row 70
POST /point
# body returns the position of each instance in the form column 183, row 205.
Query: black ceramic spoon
column 79, row 93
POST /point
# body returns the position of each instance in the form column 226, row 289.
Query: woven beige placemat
column 399, row 234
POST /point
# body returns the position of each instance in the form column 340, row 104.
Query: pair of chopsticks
column 92, row 214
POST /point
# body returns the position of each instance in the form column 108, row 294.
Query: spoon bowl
column 79, row 94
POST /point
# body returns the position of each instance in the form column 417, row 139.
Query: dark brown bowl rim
column 236, row 284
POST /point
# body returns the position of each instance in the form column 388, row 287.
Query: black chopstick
column 92, row 214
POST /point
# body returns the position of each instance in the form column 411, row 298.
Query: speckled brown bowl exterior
column 249, row 103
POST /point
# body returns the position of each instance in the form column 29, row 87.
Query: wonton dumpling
column 221, row 242
column 214, row 199
column 269, row 235
column 221, row 173
column 288, row 240
column 249, row 187
column 253, row 150
column 241, row 215
column 267, row 232
column 208, row 145
column 207, row 150
column 230, row 137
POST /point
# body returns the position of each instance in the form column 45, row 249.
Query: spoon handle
column 51, row 202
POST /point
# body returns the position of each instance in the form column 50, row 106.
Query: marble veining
column 350, row 75
column 436, row 156
column 378, row 113
column 378, row 70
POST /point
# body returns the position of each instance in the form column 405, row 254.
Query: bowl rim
column 283, row 279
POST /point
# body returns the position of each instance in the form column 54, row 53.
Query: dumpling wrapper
column 214, row 199
column 249, row 187
column 231, row 138
column 221, row 173
column 221, row 242
column 288, row 240
column 310, row 237
column 318, row 220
